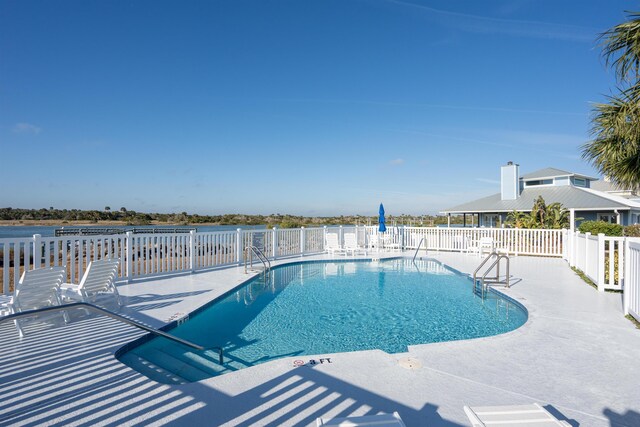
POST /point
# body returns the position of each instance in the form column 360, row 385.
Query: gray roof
column 602, row 185
column 552, row 172
column 571, row 198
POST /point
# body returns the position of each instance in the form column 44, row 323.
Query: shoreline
column 58, row 223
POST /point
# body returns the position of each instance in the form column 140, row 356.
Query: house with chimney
column 586, row 198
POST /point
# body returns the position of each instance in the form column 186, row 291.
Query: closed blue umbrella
column 382, row 228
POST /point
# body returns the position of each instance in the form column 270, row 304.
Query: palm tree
column 615, row 125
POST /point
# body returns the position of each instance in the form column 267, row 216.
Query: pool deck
column 577, row 355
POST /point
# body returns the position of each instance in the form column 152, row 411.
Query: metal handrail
column 86, row 305
column 418, row 248
column 494, row 279
column 261, row 256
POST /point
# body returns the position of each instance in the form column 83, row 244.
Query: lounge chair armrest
column 475, row 421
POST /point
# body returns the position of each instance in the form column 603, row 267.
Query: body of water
column 49, row 231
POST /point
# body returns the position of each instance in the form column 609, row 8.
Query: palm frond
column 621, row 48
column 615, row 147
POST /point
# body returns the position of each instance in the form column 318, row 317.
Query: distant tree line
column 130, row 217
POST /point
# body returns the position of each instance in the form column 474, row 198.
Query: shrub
column 632, row 230
column 597, row 227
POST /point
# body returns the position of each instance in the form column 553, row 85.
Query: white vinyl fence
column 610, row 262
column 156, row 254
column 632, row 284
column 144, row 255
column 510, row 240
column 601, row 258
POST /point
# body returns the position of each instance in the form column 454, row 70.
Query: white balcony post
column 601, row 276
column 37, row 252
column 303, row 243
column 274, row 242
column 129, row 255
column 239, row 246
column 192, row 250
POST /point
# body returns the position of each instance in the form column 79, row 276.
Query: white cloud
column 396, row 162
column 485, row 24
column 26, row 128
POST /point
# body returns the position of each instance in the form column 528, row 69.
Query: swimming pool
column 316, row 308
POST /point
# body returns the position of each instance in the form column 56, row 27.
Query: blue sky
column 304, row 107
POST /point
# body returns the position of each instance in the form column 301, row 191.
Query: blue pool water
column 320, row 308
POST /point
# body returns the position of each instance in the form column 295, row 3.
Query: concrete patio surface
column 577, row 355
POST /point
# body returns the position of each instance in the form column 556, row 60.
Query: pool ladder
column 251, row 250
column 481, row 283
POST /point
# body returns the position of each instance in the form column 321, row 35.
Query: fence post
column 274, row 242
column 129, row 254
column 37, row 252
column 324, row 238
column 303, row 243
column 574, row 246
column 585, row 256
column 404, row 232
column 600, row 260
column 340, row 236
column 239, row 246
column 626, row 294
column 192, row 250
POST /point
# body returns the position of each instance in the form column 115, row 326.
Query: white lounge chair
column 471, row 246
column 512, row 416
column 98, row 278
column 373, row 241
column 391, row 241
column 486, row 244
column 37, row 288
column 351, row 244
column 380, row 420
column 5, row 303
column 332, row 245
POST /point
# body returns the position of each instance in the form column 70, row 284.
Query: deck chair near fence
column 332, row 245
column 38, row 288
column 512, row 416
column 373, row 241
column 380, row 420
column 99, row 278
column 471, row 246
column 486, row 244
column 351, row 244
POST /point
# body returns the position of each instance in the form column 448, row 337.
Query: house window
column 579, row 182
column 539, row 182
column 607, row 217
